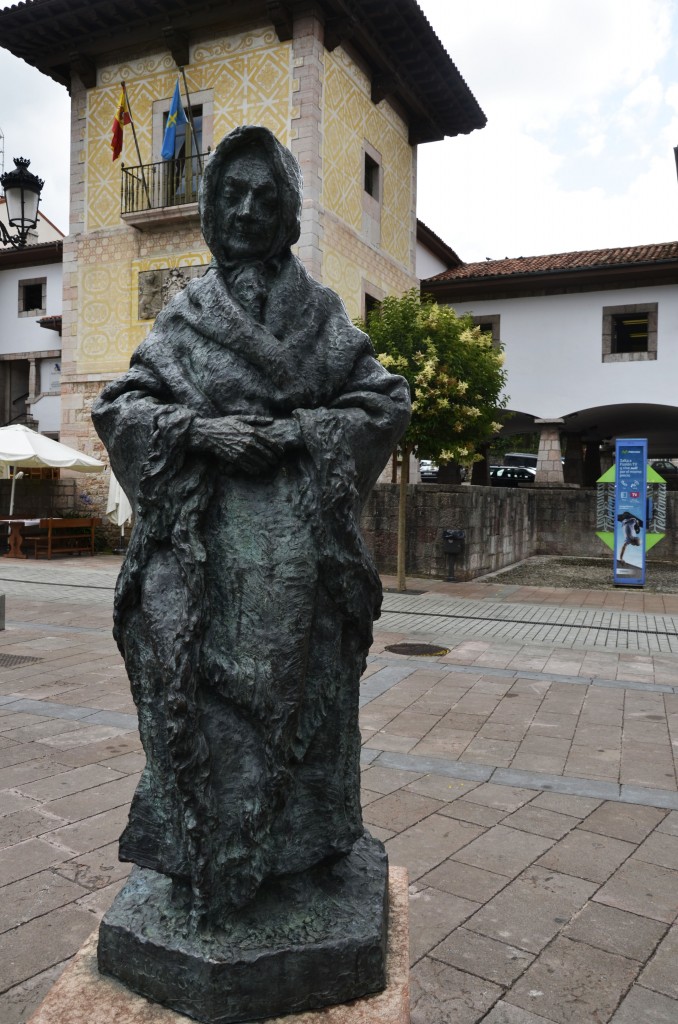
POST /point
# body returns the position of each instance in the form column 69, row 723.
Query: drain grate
column 16, row 660
column 418, row 650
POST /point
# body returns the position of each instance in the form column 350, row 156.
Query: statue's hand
column 284, row 432
column 239, row 440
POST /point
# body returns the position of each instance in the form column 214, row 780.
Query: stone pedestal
column 305, row 941
column 84, row 996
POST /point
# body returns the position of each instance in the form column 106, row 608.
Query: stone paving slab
column 532, row 870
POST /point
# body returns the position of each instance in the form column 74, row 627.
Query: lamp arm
column 17, row 240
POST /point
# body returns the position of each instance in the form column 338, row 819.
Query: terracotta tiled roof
column 52, row 323
column 629, row 255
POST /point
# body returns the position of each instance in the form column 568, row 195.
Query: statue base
column 307, row 941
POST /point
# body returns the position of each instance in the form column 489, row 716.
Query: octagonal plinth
column 306, row 941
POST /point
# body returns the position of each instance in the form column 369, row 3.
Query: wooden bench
column 62, row 537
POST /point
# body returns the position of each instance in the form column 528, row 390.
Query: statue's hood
column 288, row 179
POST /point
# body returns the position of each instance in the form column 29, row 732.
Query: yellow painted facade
column 350, row 120
column 250, row 78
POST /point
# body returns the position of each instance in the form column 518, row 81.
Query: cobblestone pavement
column 662, row 577
column 526, row 779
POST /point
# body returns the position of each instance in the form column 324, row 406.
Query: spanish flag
column 119, row 121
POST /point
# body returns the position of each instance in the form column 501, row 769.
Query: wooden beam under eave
column 338, row 30
column 424, row 132
column 282, row 20
column 383, row 86
column 85, row 68
column 177, row 44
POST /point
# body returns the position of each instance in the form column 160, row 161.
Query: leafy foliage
column 455, row 375
column 527, row 442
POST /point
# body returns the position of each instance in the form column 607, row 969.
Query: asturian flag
column 119, row 121
column 175, row 117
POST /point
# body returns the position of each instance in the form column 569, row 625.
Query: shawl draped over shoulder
column 245, row 604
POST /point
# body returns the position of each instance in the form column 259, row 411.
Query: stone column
column 308, row 77
column 72, row 399
column 549, row 459
column 606, row 457
column 32, row 381
column 480, row 473
column 573, row 470
column 592, row 467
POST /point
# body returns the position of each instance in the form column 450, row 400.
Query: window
column 186, row 141
column 33, row 297
column 371, row 179
column 182, row 172
column 202, row 109
column 629, row 332
column 371, row 303
column 173, row 182
column 489, row 324
column 373, row 187
column 372, row 297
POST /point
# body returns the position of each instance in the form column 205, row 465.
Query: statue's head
column 250, row 197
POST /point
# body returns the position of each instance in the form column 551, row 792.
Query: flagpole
column 136, row 143
column 190, row 114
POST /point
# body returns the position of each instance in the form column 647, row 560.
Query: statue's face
column 248, row 205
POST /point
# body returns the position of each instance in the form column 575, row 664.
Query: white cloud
column 582, row 109
column 35, row 120
column 581, row 106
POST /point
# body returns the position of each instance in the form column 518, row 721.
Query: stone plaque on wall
column 157, row 287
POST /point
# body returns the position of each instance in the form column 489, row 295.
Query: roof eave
column 552, row 281
column 436, row 98
column 437, row 246
column 32, row 255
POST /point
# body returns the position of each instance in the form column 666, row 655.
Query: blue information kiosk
column 631, row 513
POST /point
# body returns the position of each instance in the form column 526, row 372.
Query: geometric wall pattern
column 350, row 119
column 250, row 75
column 109, row 327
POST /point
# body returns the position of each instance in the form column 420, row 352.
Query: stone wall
column 503, row 526
column 37, row 499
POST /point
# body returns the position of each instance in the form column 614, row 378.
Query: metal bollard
column 454, row 542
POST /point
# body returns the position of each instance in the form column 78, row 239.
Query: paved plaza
column 526, row 779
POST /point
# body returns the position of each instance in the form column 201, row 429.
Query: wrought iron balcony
column 166, row 185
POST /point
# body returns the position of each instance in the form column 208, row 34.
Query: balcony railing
column 169, row 183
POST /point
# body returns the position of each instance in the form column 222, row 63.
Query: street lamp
column 22, row 195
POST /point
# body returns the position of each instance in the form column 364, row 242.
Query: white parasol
column 24, row 448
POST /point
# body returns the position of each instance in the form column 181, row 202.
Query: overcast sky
column 581, row 98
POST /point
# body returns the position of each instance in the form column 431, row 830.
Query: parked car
column 511, row 476
column 520, row 459
column 664, row 467
column 428, row 471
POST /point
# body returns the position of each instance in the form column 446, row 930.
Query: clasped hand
column 252, row 443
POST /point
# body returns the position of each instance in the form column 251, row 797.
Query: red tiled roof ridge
column 512, row 265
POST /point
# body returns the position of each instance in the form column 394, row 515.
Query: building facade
column 591, row 344
column 30, row 329
column 351, row 89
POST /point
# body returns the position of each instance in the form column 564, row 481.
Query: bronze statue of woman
column 247, row 433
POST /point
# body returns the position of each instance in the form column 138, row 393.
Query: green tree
column 456, row 379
